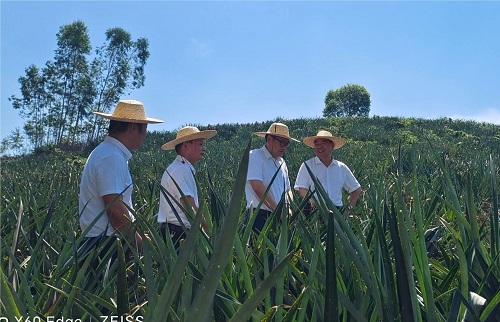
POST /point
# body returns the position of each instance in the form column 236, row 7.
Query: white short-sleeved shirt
column 262, row 166
column 105, row 172
column 182, row 172
column 334, row 178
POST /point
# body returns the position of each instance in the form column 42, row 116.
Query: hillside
column 416, row 175
column 371, row 143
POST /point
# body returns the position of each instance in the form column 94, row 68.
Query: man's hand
column 120, row 220
column 259, row 189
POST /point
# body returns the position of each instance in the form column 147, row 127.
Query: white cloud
column 489, row 115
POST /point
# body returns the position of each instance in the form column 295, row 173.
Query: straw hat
column 188, row 133
column 277, row 129
column 337, row 142
column 130, row 111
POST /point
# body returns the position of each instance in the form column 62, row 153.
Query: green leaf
column 9, row 301
column 201, row 304
column 122, row 299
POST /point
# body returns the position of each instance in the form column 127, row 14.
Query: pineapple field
column 422, row 244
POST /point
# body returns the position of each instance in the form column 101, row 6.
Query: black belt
column 106, row 242
column 262, row 212
column 265, row 213
column 172, row 227
column 95, row 241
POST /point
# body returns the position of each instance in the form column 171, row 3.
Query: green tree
column 349, row 100
column 17, row 140
column 32, row 106
column 71, row 65
column 4, row 146
column 13, row 143
column 50, row 98
column 57, row 100
column 118, row 67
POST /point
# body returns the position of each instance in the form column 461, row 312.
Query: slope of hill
column 416, row 175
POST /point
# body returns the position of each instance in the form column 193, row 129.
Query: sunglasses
column 283, row 143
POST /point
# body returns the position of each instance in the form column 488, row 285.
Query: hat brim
column 337, row 142
column 263, row 134
column 147, row 120
column 207, row 134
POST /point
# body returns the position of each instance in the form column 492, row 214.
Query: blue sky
column 246, row 61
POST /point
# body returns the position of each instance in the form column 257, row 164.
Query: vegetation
column 349, row 100
column 56, row 100
column 416, row 175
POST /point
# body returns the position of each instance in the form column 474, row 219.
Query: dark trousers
column 175, row 232
column 260, row 220
column 308, row 209
column 104, row 243
column 98, row 266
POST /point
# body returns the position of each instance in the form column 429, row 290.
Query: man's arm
column 192, row 204
column 302, row 192
column 259, row 189
column 119, row 218
column 354, row 196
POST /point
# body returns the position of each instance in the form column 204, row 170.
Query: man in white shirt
column 106, row 184
column 190, row 146
column 262, row 166
column 333, row 175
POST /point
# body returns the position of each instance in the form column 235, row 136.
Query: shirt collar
column 268, row 154
column 180, row 158
column 119, row 145
column 318, row 161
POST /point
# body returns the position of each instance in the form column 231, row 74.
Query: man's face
column 196, row 150
column 277, row 145
column 323, row 148
column 140, row 130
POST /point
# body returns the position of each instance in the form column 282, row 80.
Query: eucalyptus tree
column 12, row 143
column 50, row 98
column 72, row 67
column 32, row 104
column 57, row 100
column 17, row 140
column 4, row 146
column 117, row 68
